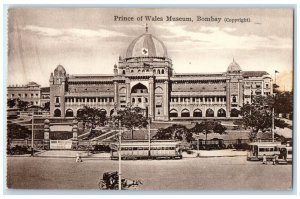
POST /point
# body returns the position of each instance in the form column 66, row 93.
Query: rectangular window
column 261, row 150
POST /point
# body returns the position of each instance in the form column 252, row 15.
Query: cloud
column 73, row 32
column 217, row 38
column 228, row 29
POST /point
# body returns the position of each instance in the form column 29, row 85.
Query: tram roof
column 265, row 143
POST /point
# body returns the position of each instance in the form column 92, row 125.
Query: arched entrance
column 69, row 113
column 173, row 113
column 103, row 111
column 57, row 113
column 234, row 113
column 209, row 113
column 79, row 112
column 221, row 113
column 185, row 113
column 197, row 113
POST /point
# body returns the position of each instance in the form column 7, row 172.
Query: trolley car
column 147, row 150
column 259, row 149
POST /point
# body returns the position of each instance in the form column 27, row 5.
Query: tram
column 137, row 149
column 259, row 149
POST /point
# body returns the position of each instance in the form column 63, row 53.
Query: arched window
column 221, row 113
column 124, row 72
column 185, row 113
column 57, row 100
column 197, row 113
column 258, row 92
column 57, row 113
column 139, row 100
column 209, row 113
column 158, row 71
column 234, row 99
column 162, row 71
column 133, row 100
column 69, row 113
column 154, row 71
column 139, row 88
column 173, row 113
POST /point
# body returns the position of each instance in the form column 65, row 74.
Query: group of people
column 274, row 159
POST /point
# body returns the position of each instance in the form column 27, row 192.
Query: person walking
column 264, row 159
column 78, row 157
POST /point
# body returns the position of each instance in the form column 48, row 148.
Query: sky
column 90, row 41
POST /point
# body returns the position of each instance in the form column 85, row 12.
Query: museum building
column 145, row 78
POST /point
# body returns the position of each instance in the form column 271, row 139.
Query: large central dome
column 146, row 45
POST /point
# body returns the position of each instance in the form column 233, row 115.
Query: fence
column 61, row 144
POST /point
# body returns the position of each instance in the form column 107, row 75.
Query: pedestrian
column 78, row 157
column 264, row 159
column 274, row 159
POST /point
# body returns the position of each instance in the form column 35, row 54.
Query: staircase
column 106, row 136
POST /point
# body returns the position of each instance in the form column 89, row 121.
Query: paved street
column 222, row 173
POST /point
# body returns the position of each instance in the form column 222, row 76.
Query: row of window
column 198, row 99
column 24, row 95
column 88, row 99
column 147, row 148
column 158, row 71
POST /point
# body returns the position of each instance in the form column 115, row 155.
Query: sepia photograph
column 150, row 99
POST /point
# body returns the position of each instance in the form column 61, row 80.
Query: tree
column 131, row 117
column 91, row 116
column 258, row 116
column 283, row 102
column 208, row 126
column 176, row 131
column 11, row 103
column 22, row 105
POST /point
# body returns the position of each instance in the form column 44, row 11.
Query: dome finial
column 146, row 27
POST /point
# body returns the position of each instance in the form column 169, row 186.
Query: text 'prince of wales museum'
column 145, row 78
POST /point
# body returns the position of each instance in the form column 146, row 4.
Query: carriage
column 110, row 181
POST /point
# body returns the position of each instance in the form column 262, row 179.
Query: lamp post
column 149, row 137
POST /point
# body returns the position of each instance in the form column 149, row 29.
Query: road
column 222, row 173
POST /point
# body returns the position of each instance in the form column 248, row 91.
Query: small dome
column 146, row 45
column 59, row 71
column 234, row 67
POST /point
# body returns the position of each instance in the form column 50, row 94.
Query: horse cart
column 110, row 181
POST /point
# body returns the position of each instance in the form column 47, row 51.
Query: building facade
column 30, row 92
column 145, row 78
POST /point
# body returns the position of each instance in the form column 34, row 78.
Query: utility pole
column 32, row 134
column 149, row 138
column 273, row 118
column 120, row 158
